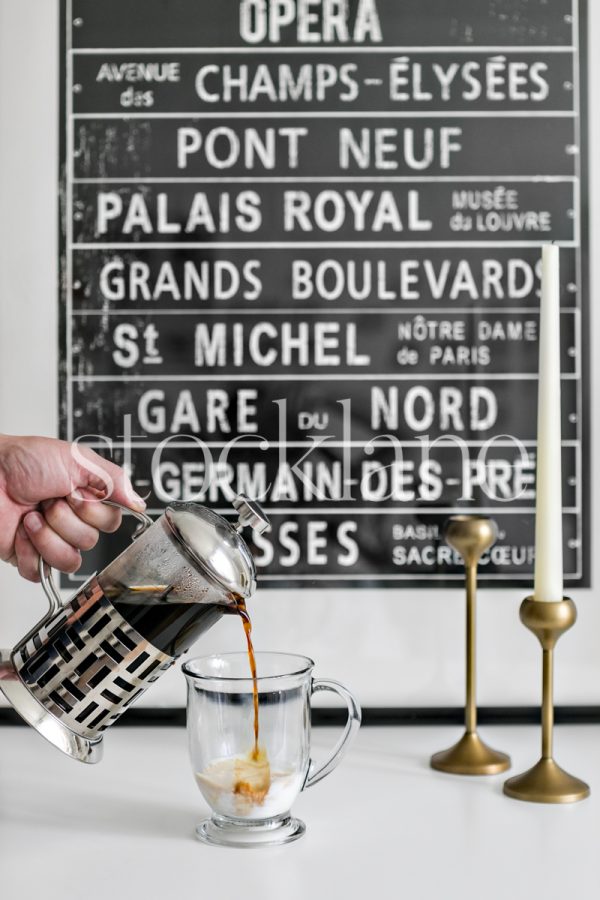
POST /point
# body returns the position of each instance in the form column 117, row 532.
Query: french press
column 90, row 658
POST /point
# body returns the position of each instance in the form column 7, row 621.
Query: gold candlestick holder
column 546, row 782
column 471, row 536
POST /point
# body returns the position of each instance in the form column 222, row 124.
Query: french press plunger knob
column 250, row 514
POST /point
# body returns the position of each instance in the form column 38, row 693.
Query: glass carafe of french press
column 90, row 658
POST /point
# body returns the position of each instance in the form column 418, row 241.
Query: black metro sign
column 300, row 258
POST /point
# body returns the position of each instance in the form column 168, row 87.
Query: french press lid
column 215, row 547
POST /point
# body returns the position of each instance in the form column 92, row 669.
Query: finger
column 123, row 491
column 53, row 549
column 101, row 474
column 26, row 556
column 98, row 515
column 68, row 525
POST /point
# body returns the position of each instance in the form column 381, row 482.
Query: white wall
column 408, row 651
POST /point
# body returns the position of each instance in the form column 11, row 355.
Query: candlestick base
column 470, row 756
column 546, row 782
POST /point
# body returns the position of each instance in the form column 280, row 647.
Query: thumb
column 97, row 478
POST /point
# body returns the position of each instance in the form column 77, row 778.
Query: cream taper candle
column 548, row 580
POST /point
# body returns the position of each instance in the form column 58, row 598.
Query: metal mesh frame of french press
column 86, row 665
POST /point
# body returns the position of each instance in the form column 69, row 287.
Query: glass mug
column 251, row 793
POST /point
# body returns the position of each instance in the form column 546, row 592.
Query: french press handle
column 45, row 572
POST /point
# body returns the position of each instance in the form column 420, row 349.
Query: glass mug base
column 244, row 833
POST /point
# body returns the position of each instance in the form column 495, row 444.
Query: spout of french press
column 251, row 515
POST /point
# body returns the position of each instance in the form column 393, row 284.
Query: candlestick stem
column 471, row 662
column 546, row 782
column 547, row 702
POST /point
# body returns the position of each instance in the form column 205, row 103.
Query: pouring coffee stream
column 90, row 658
column 245, row 617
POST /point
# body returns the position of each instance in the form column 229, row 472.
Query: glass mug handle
column 352, row 726
column 45, row 572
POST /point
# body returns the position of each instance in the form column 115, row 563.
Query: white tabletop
column 383, row 825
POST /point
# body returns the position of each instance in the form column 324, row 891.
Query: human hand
column 49, row 493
